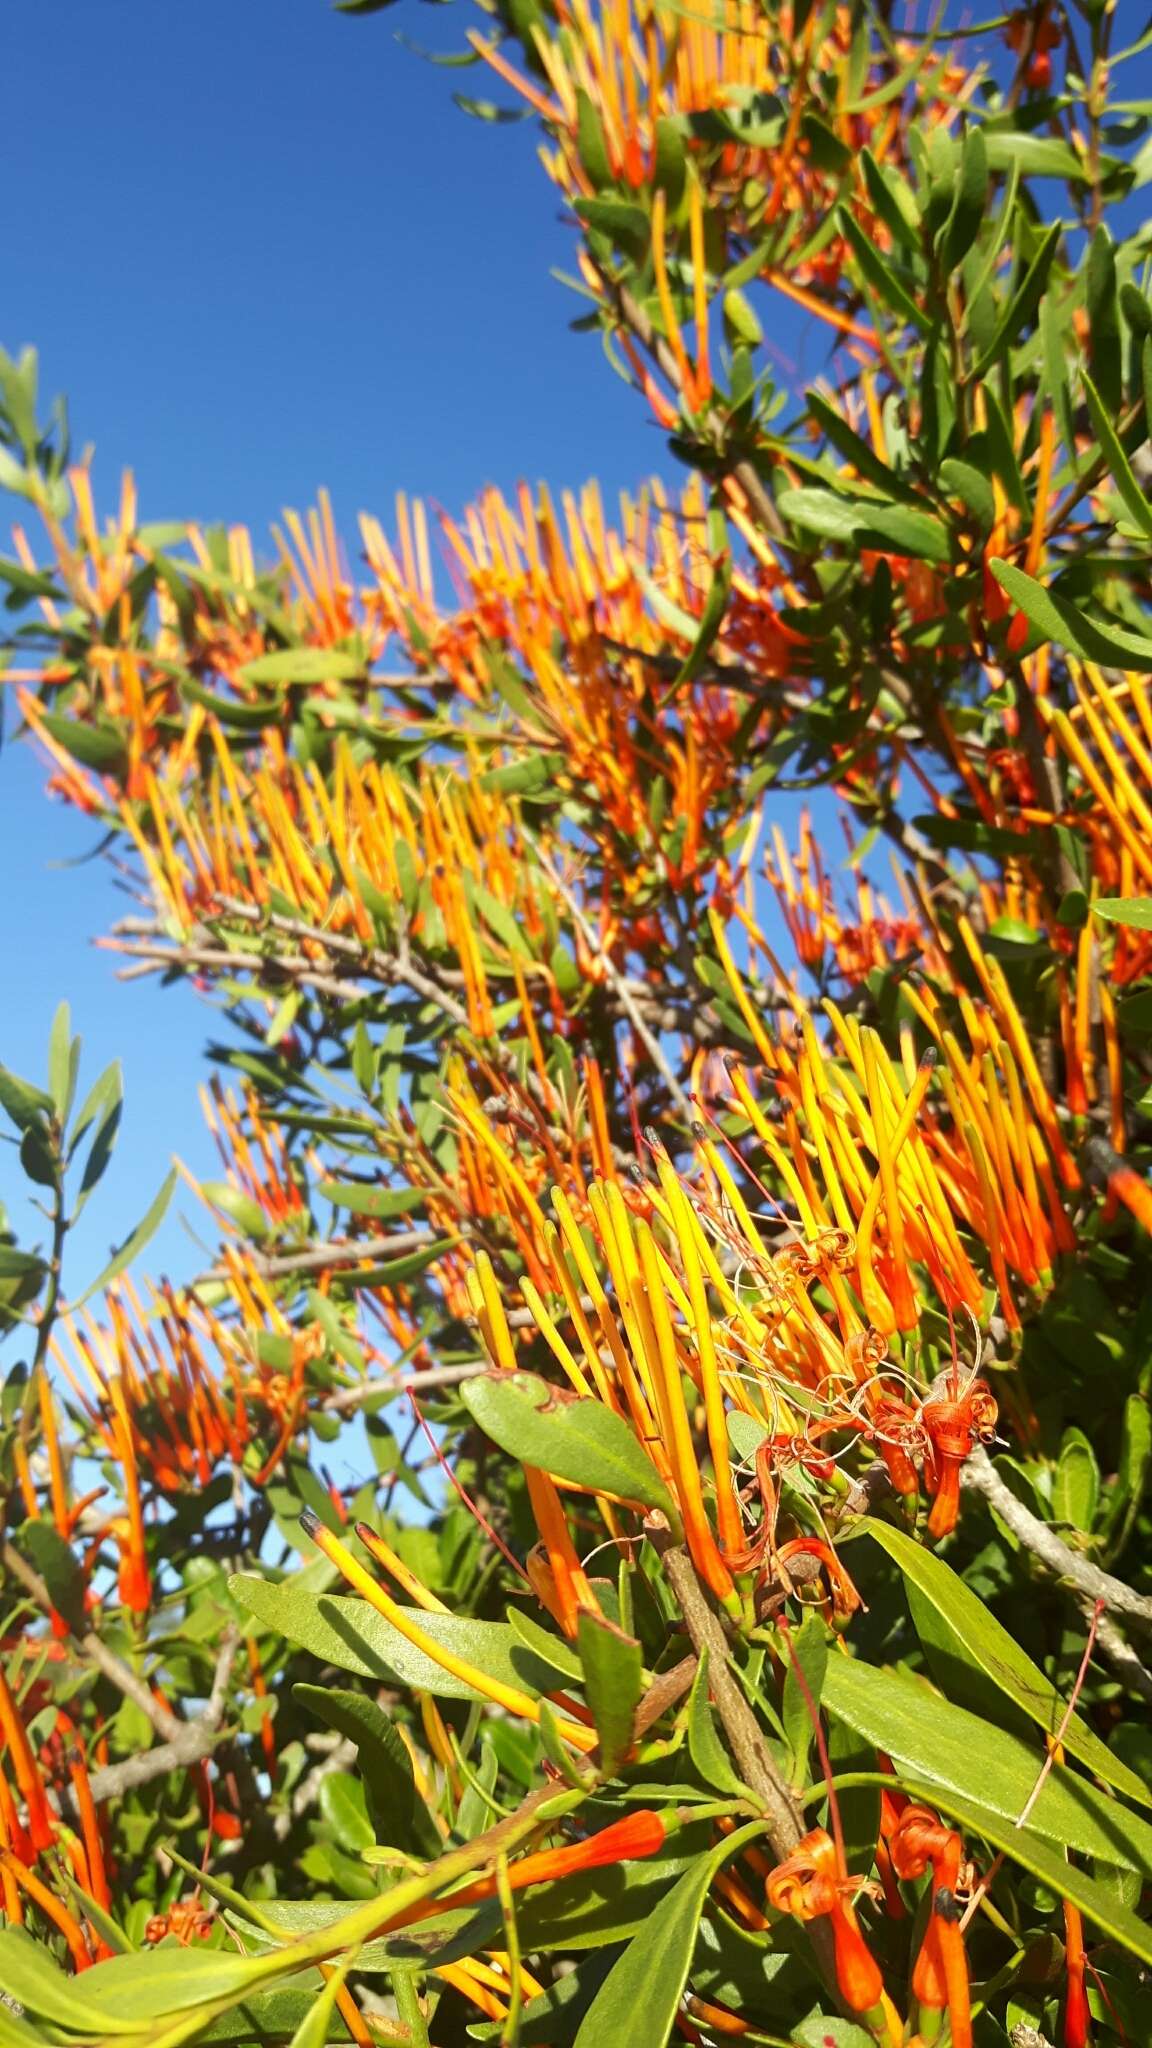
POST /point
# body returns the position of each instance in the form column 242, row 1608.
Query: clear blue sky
column 260, row 250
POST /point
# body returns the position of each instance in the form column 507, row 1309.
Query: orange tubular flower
column 955, row 1419
column 642, row 1833
column 15, row 1737
column 940, row 1975
column 1077, row 2017
column 811, row 1885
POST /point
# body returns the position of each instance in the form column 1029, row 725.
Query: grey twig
column 980, row 1476
column 97, row 1653
column 347, row 1398
column 316, row 1257
column 193, row 1741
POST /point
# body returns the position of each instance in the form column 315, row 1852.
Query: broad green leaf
column 649, row 1979
column 821, row 2031
column 304, row 665
column 935, row 1742
column 103, row 1108
column 41, row 1543
column 131, row 1990
column 1104, row 348
column 613, row 1677
column 1111, row 448
column 969, row 201
column 28, row 1974
column 268, row 2016
column 1056, row 620
column 574, row 1439
column 1035, row 156
column 591, row 147
column 1131, row 910
column 997, row 1653
column 146, row 1228
column 344, row 1813
column 1127, row 1492
column 364, row 1201
column 899, row 529
column 384, row 1763
column 239, row 1208
column 441, row 1938
column 25, row 1105
column 352, row 1636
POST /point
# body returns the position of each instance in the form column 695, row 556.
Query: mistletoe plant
column 634, row 1528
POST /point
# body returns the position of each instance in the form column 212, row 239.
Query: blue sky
column 260, row 250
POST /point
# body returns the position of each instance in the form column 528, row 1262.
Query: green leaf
column 1076, row 1482
column 969, row 202
column 1119, row 467
column 41, row 1543
column 1127, row 1492
column 899, row 529
column 25, row 1105
column 648, row 1981
column 982, row 1638
column 1055, row 619
column 103, row 1106
column 704, row 1745
column 1130, row 910
column 1035, row 156
column 364, row 1201
column 63, row 1057
column 95, row 746
column 964, row 481
column 239, row 1208
column 880, row 276
column 1098, row 1902
column 807, row 1647
column 935, row 1743
column 344, row 1813
column 1023, row 303
column 398, row 1816
column 591, row 147
column 352, row 1636
column 133, row 1990
column 315, row 2027
column 613, row 1679
column 1104, row 349
column 304, row 665
column 28, row 1974
column 574, row 1439
column 146, row 1228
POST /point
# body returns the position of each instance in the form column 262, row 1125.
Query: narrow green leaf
column 398, row 1816
column 880, row 276
column 1130, row 910
column 1056, row 620
column 704, row 1745
column 613, row 1677
column 1119, row 468
column 808, row 1647
column 365, row 1201
column 650, row 1976
column 350, row 1635
column 935, row 1742
column 998, row 1654
column 1023, row 303
column 146, row 1228
column 573, row 1439
column 63, row 1056
column 304, row 665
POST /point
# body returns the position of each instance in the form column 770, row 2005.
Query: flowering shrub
column 722, row 1264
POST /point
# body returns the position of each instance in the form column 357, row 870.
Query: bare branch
column 96, row 1653
column 193, row 1741
column 980, row 1476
